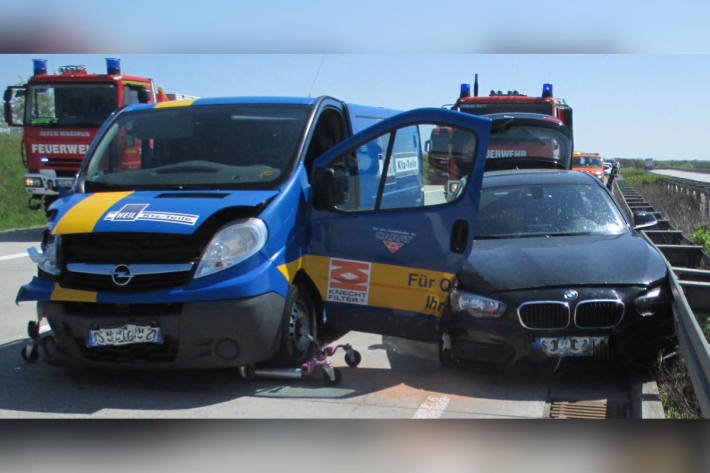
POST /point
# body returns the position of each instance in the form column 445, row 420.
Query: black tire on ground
column 353, row 358
column 299, row 322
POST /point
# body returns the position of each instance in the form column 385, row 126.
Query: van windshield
column 242, row 146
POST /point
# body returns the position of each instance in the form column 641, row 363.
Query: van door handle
column 459, row 236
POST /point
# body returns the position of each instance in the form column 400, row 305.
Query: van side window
column 329, row 131
column 391, row 171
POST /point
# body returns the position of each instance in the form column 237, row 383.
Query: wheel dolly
column 331, row 375
column 30, row 352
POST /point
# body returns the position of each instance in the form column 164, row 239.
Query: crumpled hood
column 177, row 212
column 527, row 263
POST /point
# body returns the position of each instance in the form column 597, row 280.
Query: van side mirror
column 8, row 94
column 144, row 95
column 644, row 219
column 324, row 189
column 427, row 145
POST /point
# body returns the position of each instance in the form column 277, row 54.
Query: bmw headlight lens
column 47, row 259
column 232, row 244
column 475, row 305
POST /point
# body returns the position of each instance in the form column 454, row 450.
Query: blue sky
column 636, row 77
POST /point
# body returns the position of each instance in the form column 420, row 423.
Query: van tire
column 298, row 325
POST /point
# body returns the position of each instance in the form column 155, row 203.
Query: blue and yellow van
column 243, row 226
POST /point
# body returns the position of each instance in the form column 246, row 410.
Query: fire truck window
column 130, row 95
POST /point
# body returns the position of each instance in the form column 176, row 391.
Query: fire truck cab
column 61, row 114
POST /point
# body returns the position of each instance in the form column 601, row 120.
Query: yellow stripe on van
column 73, row 295
column 83, row 216
column 175, row 103
column 379, row 285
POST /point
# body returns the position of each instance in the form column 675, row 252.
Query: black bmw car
column 556, row 270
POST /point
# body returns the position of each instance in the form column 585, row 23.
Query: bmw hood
column 497, row 265
column 176, row 212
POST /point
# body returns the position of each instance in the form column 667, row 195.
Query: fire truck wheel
column 298, row 327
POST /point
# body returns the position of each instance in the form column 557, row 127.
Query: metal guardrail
column 690, row 287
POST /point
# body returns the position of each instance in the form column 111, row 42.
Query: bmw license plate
column 571, row 346
column 124, row 335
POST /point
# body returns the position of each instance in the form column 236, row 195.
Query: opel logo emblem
column 121, row 275
column 571, row 294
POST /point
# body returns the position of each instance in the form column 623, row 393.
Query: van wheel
column 299, row 327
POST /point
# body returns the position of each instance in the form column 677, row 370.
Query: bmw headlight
column 647, row 304
column 47, row 259
column 232, row 244
column 475, row 305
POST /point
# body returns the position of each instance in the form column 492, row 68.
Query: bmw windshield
column 240, row 146
column 547, row 210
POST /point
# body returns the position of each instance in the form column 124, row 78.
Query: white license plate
column 124, row 335
column 571, row 346
column 65, row 182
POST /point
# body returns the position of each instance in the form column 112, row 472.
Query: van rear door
column 385, row 241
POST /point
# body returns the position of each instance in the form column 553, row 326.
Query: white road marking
column 18, row 255
column 432, row 407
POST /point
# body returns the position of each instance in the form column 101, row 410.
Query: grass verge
column 13, row 204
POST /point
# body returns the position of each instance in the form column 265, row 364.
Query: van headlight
column 475, row 305
column 232, row 244
column 47, row 259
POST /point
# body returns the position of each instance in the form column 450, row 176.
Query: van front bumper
column 211, row 334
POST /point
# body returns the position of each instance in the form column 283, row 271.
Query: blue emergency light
column 113, row 66
column 44, row 159
column 547, row 90
column 39, row 66
column 465, row 90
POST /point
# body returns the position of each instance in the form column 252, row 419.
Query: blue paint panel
column 37, row 290
column 146, row 212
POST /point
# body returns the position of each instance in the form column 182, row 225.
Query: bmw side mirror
column 644, row 219
column 324, row 189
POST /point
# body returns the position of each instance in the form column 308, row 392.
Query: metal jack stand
column 331, row 375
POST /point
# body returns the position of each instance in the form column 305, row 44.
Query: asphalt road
column 396, row 379
column 695, row 176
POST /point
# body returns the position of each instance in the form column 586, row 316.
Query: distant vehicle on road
column 556, row 270
column 591, row 163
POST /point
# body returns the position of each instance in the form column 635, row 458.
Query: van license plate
column 124, row 335
column 570, row 346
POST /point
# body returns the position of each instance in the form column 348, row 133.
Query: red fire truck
column 513, row 101
column 60, row 115
column 532, row 137
column 528, row 131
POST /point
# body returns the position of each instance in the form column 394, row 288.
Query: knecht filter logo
column 349, row 281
